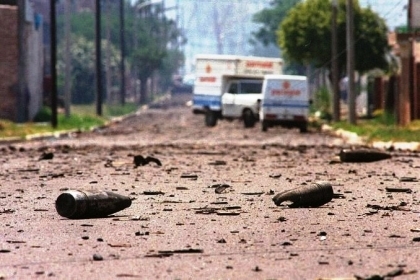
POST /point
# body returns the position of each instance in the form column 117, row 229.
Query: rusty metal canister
column 313, row 195
column 77, row 204
column 362, row 155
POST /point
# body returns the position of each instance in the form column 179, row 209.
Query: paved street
column 182, row 225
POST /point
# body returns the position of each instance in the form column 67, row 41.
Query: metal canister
column 313, row 195
column 362, row 155
column 77, row 204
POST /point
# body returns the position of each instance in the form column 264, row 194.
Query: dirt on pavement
column 182, row 226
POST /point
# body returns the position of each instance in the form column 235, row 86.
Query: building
column 20, row 106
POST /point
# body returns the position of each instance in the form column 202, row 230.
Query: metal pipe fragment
column 313, row 195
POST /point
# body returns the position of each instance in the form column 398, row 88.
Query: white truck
column 285, row 102
column 230, row 86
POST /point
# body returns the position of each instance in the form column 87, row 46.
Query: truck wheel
column 303, row 128
column 210, row 119
column 264, row 126
column 249, row 119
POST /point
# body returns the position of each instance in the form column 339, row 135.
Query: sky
column 195, row 17
column 393, row 11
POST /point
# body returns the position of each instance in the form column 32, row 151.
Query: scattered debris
column 253, row 193
column 220, row 188
column 408, row 179
column 7, row 211
column 190, row 176
column 219, row 211
column 395, row 208
column 158, row 255
column 75, row 204
column 139, row 160
column 313, row 195
column 218, row 162
column 363, row 155
column 404, row 190
column 46, row 156
column 153, row 193
column 122, row 245
column 389, row 275
column 97, row 257
column 182, row 251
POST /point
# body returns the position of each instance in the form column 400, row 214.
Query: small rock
column 97, row 257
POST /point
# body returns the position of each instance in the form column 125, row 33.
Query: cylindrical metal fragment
column 75, row 204
column 363, row 155
column 313, row 195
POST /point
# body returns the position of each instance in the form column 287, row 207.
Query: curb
column 68, row 133
column 353, row 139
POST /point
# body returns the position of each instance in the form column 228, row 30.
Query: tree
column 152, row 37
column 270, row 18
column 305, row 36
column 83, row 68
column 149, row 37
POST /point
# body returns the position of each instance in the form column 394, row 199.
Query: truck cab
column 241, row 100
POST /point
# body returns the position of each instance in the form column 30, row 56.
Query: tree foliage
column 149, row 36
column 305, row 35
column 82, row 52
column 270, row 18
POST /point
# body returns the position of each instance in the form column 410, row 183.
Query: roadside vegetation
column 381, row 126
column 83, row 118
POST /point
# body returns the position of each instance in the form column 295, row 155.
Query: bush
column 322, row 103
column 44, row 115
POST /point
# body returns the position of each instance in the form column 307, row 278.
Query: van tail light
column 270, row 116
column 299, row 118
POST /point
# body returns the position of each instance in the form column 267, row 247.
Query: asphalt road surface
column 207, row 212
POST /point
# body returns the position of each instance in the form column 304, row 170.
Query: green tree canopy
column 149, row 36
column 270, row 18
column 305, row 35
column 82, row 54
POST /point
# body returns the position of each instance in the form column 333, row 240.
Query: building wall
column 9, row 62
column 9, row 54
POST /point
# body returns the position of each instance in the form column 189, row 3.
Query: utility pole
column 98, row 58
column 21, row 88
column 334, row 64
column 53, row 31
column 122, row 42
column 67, row 66
column 350, row 62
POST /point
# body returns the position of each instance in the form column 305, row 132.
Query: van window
column 233, row 88
column 251, row 87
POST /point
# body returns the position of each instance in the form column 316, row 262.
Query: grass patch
column 382, row 127
column 82, row 117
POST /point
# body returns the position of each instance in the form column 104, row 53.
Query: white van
column 229, row 86
column 285, row 102
column 241, row 100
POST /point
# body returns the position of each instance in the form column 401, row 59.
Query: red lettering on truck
column 208, row 79
column 286, row 90
column 259, row 64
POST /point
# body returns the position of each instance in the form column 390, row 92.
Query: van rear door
column 286, row 98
